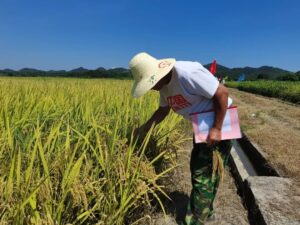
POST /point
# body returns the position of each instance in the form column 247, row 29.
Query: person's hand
column 213, row 137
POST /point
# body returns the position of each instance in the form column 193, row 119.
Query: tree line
column 118, row 73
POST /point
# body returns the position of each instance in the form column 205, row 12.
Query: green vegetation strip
column 285, row 90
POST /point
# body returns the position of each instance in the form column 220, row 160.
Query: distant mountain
column 56, row 71
column 8, row 70
column 30, row 70
column 251, row 73
column 119, row 73
column 221, row 70
column 79, row 69
column 120, row 70
column 24, row 72
column 101, row 69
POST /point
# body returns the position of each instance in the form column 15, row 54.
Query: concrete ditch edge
column 251, row 188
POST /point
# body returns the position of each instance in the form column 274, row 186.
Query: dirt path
column 228, row 204
column 275, row 126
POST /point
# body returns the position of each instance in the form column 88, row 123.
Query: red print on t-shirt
column 178, row 102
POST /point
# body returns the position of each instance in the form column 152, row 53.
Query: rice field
column 285, row 90
column 68, row 155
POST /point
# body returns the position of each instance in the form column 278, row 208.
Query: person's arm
column 220, row 104
column 155, row 119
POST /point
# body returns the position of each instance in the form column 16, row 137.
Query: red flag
column 213, row 67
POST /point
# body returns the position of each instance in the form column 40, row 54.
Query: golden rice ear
column 218, row 165
column 221, row 170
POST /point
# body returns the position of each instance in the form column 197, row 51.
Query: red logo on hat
column 164, row 64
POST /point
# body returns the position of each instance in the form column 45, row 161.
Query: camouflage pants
column 200, row 205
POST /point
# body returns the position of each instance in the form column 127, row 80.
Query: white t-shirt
column 190, row 89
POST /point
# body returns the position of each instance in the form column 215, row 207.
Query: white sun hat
column 147, row 71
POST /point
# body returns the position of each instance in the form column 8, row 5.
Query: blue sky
column 67, row 34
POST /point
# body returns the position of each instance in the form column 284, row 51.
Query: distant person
column 187, row 87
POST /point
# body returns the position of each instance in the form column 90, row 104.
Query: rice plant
column 68, row 155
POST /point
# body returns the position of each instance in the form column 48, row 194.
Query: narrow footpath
column 228, row 204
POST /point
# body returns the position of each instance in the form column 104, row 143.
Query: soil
column 274, row 125
column 228, row 204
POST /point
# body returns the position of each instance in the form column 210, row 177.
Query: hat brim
column 143, row 86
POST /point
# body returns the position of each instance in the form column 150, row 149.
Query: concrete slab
column 241, row 161
column 273, row 200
